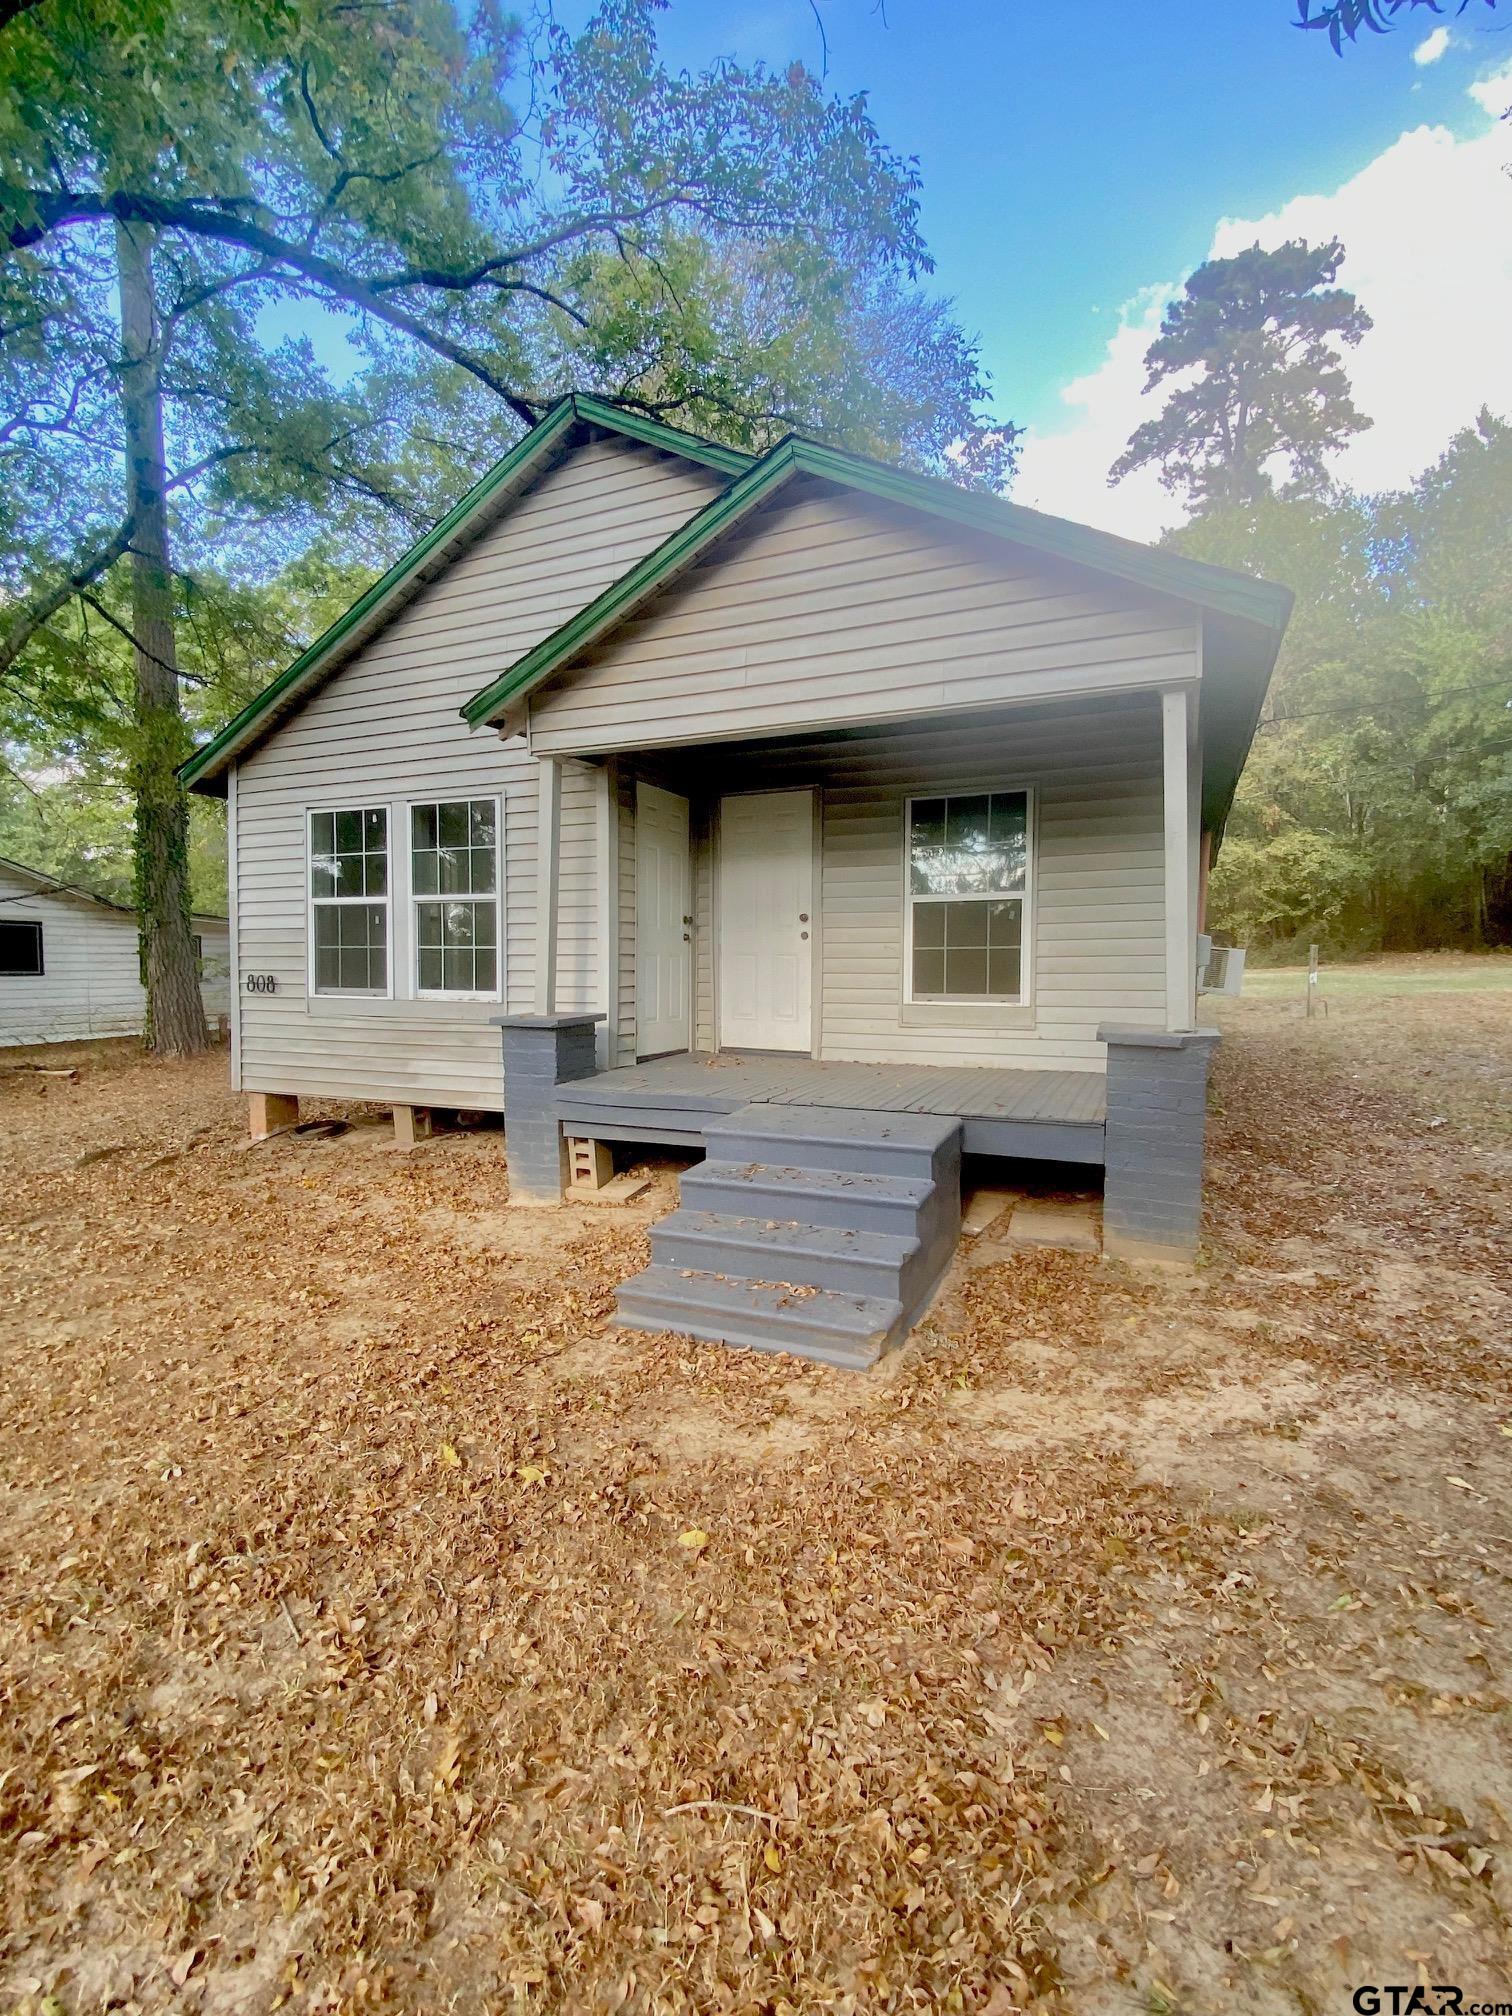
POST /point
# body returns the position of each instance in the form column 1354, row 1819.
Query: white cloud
column 1427, row 233
column 1431, row 48
column 1493, row 92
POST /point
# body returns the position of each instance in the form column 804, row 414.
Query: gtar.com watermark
column 1402, row 1998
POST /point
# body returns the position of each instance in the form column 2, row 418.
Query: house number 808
column 262, row 983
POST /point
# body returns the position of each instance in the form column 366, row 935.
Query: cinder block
column 592, row 1163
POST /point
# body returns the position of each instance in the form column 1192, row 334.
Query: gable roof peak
column 205, row 771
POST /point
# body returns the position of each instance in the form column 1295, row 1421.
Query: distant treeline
column 1376, row 810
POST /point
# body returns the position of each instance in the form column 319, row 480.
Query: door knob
column 803, row 916
column 687, row 920
column 687, row 937
column 803, row 934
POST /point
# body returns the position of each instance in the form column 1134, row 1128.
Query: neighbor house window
column 968, row 881
column 20, row 951
column 197, row 944
column 454, row 888
column 349, row 900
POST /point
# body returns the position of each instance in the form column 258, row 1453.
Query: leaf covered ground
column 381, row 1631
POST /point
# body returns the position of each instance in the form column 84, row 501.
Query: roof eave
column 1238, row 661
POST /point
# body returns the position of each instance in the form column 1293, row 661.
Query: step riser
column 764, row 1333
column 860, row 1274
column 767, row 1212
column 856, row 1158
column 847, row 1211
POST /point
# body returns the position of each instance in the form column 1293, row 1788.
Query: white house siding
column 828, row 607
column 385, row 730
column 91, row 982
column 1097, row 910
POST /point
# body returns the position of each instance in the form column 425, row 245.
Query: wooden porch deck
column 1044, row 1115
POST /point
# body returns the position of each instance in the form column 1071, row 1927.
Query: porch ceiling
column 806, row 756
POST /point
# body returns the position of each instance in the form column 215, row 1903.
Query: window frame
column 39, row 971
column 981, row 1003
column 413, row 899
column 312, row 901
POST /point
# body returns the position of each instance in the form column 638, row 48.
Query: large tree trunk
column 175, row 1012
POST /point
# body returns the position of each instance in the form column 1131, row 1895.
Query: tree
column 1260, row 331
column 1376, row 808
column 180, row 177
column 1342, row 20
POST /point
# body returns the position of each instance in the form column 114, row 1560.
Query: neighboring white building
column 69, row 965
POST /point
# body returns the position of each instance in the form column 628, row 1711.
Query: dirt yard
column 381, row 1631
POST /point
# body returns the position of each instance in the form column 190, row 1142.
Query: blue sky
column 1072, row 154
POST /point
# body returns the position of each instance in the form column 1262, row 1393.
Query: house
column 824, row 817
column 69, row 964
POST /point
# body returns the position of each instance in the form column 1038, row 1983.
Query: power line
column 1377, row 706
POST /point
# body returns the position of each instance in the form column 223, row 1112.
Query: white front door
column 766, row 921
column 663, row 922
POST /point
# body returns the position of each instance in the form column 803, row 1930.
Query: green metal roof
column 205, row 770
column 1242, row 597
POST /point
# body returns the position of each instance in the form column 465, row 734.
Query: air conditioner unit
column 1224, row 971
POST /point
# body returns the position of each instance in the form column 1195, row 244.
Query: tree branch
column 129, row 634
column 53, row 211
column 30, row 619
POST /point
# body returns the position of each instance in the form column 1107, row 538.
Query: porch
column 1040, row 1115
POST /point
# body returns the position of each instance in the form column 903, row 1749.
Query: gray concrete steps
column 815, row 1229
column 839, row 1197
column 767, row 1249
column 838, row 1329
column 819, row 1137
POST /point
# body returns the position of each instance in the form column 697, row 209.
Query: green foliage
column 763, row 340
column 1376, row 809
column 73, row 820
column 1252, row 345
column 68, row 728
column 526, row 216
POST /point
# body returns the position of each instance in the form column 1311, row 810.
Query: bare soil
column 379, row 1630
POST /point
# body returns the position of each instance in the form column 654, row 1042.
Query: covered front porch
column 1042, row 1115
column 769, row 947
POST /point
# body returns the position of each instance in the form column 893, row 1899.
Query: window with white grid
column 967, row 897
column 454, row 896
column 349, row 901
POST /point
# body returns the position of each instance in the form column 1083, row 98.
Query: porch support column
column 548, row 882
column 1153, row 1146
column 1178, row 721
column 540, row 1053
